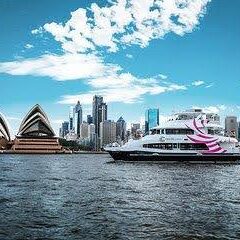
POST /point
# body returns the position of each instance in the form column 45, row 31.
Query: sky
column 137, row 54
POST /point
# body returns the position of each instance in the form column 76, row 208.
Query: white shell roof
column 4, row 129
column 35, row 115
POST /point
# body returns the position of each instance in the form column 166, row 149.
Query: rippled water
column 90, row 197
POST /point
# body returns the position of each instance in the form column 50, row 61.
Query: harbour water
column 91, row 197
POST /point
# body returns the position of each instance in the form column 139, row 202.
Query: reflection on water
column 84, row 197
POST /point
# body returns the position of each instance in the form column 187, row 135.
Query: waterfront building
column 84, row 130
column 121, row 129
column 99, row 114
column 134, row 129
column 103, row 111
column 71, row 119
column 96, row 112
column 151, row 118
column 92, row 136
column 78, row 112
column 64, row 129
column 91, row 132
column 231, row 126
column 4, row 132
column 107, row 132
column 89, row 119
column 35, row 134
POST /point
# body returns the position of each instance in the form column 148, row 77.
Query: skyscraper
column 89, row 119
column 71, row 119
column 78, row 111
column 107, row 132
column 92, row 135
column 103, row 111
column 121, row 129
column 99, row 112
column 64, row 129
column 151, row 118
column 231, row 126
column 134, row 129
column 84, row 130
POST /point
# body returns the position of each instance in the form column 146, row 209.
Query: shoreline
column 46, row 153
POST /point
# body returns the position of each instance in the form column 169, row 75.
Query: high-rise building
column 231, row 126
column 151, row 118
column 103, row 110
column 134, row 129
column 64, row 129
column 92, row 135
column 99, row 114
column 107, row 132
column 78, row 111
column 84, row 130
column 71, row 119
column 89, row 119
column 121, row 129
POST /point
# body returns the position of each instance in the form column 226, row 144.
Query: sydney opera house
column 4, row 133
column 35, row 134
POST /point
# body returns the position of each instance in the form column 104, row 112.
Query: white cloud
column 209, row 85
column 130, row 92
column 61, row 68
column 162, row 76
column 28, row 46
column 125, row 22
column 37, row 31
column 86, row 35
column 105, row 79
column 198, row 83
column 129, row 56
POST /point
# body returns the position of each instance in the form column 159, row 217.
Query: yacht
column 189, row 136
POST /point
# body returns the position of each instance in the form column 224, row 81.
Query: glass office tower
column 151, row 118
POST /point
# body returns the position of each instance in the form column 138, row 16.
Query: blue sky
column 123, row 50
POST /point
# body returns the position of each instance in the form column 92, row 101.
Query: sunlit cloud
column 89, row 34
column 125, row 22
column 198, row 83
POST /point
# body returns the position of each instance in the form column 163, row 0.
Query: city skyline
column 195, row 65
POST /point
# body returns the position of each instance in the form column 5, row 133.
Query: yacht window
column 162, row 131
column 180, row 131
column 153, row 132
column 215, row 131
column 193, row 146
column 167, row 146
column 158, row 131
column 175, row 145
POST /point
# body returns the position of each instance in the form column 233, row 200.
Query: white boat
column 188, row 136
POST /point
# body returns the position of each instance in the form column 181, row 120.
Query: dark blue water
column 85, row 197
